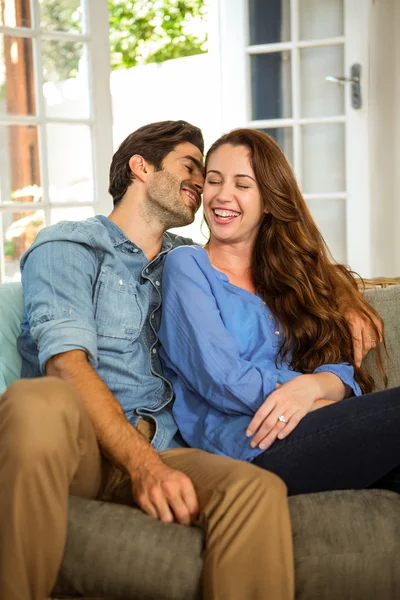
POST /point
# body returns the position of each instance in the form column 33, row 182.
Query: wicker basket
column 380, row 282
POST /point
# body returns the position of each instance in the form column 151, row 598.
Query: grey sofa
column 346, row 543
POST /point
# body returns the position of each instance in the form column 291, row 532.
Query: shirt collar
column 118, row 237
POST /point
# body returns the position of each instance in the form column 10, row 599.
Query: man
column 100, row 424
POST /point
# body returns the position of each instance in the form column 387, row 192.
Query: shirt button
column 121, row 282
column 264, row 304
column 158, row 283
column 147, row 270
column 270, row 317
column 276, row 332
column 154, row 350
column 135, row 250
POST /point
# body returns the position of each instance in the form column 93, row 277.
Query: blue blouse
column 219, row 344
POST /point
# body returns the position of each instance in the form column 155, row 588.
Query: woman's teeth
column 226, row 214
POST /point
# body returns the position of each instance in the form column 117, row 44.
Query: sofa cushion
column 346, row 545
column 387, row 303
column 11, row 307
column 134, row 556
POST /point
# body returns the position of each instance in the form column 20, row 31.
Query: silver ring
column 282, row 419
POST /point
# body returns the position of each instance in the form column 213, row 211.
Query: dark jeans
column 352, row 444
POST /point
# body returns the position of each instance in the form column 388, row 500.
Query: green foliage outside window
column 141, row 32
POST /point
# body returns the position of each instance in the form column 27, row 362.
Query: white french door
column 275, row 58
column 55, row 118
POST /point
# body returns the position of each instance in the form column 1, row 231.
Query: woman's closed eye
column 213, row 182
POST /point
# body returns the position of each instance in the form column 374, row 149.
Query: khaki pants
column 48, row 450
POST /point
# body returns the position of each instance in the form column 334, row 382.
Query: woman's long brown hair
column 293, row 271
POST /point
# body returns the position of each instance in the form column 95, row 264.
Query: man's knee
column 256, row 480
column 40, row 397
column 33, row 413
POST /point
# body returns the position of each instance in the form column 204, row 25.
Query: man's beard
column 166, row 203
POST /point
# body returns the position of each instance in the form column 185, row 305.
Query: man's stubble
column 165, row 201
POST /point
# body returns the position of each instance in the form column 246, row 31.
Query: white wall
column 396, row 133
column 171, row 90
column 384, row 136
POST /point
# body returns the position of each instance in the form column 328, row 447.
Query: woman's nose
column 224, row 193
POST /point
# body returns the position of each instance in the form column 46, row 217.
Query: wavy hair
column 293, row 271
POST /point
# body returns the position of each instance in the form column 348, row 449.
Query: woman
column 253, row 339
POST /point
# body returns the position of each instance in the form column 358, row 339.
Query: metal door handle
column 342, row 80
column 355, row 80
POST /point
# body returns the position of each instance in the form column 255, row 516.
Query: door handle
column 354, row 80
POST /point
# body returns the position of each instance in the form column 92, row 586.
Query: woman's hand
column 321, row 404
column 283, row 410
column 363, row 334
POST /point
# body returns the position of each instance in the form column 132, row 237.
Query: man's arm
column 162, row 492
column 59, row 309
column 365, row 335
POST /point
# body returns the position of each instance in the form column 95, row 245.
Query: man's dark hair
column 153, row 142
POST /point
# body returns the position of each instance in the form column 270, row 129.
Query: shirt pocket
column 117, row 312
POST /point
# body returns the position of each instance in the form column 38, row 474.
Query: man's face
column 176, row 189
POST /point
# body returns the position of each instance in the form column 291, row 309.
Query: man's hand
column 164, row 493
column 364, row 337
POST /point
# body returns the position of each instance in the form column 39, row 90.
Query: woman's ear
column 139, row 167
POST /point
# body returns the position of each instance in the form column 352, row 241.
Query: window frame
column 95, row 35
column 234, row 53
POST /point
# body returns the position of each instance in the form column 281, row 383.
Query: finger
column 358, row 350
column 147, row 507
column 279, row 427
column 379, row 327
column 265, row 409
column 174, row 494
column 292, row 423
column 159, row 502
column 368, row 342
column 180, row 510
column 270, row 438
column 271, row 423
column 190, row 498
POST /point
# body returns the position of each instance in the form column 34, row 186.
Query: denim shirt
column 86, row 286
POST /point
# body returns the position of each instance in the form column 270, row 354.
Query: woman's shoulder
column 184, row 255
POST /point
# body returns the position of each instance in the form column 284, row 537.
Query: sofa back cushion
column 11, row 307
column 387, row 303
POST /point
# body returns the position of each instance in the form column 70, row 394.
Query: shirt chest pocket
column 117, row 311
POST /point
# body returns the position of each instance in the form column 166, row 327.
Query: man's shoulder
column 89, row 231
column 178, row 240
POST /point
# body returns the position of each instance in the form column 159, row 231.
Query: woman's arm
column 197, row 346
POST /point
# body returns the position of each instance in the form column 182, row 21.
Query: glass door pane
column 271, row 86
column 321, row 98
column 20, row 179
column 321, row 19
column 323, row 151
column 269, row 21
column 17, row 83
column 61, row 16
column 330, row 216
column 15, row 13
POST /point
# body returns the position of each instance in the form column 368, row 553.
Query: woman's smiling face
column 233, row 206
